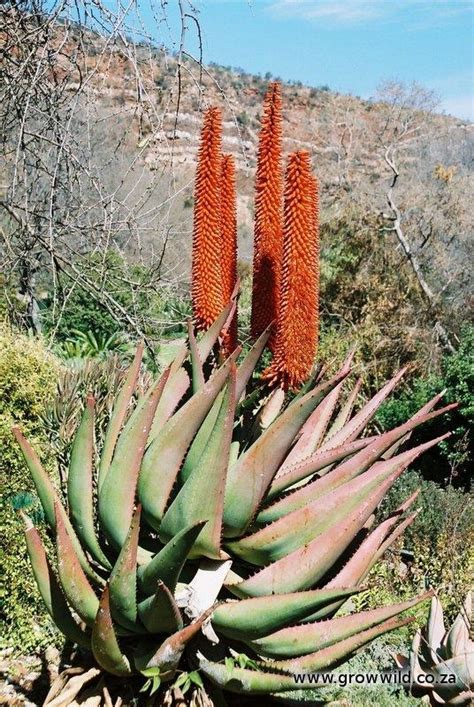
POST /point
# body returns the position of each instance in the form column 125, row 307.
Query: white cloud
column 353, row 11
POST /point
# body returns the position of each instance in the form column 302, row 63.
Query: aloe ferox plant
column 441, row 661
column 220, row 525
column 193, row 534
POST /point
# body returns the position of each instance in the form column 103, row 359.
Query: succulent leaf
column 49, row 588
column 119, row 414
column 196, row 362
column 250, row 477
column 117, row 496
column 123, row 578
column 326, row 657
column 80, row 485
column 160, row 613
column 105, row 645
column 253, row 618
column 310, row 637
column 168, row 563
column 165, row 454
column 50, row 500
column 75, row 584
column 202, row 495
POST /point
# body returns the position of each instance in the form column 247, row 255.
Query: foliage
column 151, row 599
column 28, row 375
column 452, row 461
column 73, row 308
column 446, row 655
column 369, row 301
column 438, row 545
column 88, row 345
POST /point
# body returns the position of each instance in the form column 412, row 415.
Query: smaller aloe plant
column 441, row 663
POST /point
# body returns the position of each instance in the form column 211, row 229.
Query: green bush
column 28, row 375
column 438, row 545
column 451, row 461
column 75, row 308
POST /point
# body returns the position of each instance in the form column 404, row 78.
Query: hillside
column 131, row 114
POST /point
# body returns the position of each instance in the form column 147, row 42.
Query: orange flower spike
column 206, row 290
column 268, row 216
column 229, row 243
column 314, row 210
column 297, row 327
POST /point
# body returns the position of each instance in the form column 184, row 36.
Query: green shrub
column 439, row 543
column 28, row 375
column 451, row 461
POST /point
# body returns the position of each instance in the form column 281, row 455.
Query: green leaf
column 165, row 454
column 80, row 485
column 123, row 579
column 119, row 413
column 202, row 495
column 250, row 477
column 50, row 590
column 75, row 584
column 168, row 563
column 105, row 646
column 196, row 678
column 117, row 496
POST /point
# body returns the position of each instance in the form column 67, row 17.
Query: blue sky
column 350, row 45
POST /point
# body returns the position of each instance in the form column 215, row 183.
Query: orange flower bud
column 297, row 327
column 206, row 291
column 229, row 243
column 268, row 216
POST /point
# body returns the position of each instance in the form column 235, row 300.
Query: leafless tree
column 418, row 208
column 86, row 86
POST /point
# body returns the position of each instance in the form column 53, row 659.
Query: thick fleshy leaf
column 202, row 495
column 49, row 588
column 245, row 681
column 75, row 584
column 326, row 657
column 313, row 430
column 123, row 579
column 306, row 638
column 345, row 412
column 196, row 363
column 174, row 390
column 253, row 618
column 244, row 373
column 80, row 485
column 310, row 436
column 293, row 475
column 167, row 656
column 49, row 499
column 301, row 526
column 462, row 666
column 319, row 460
column 345, row 471
column 302, row 568
column 165, row 455
column 105, row 645
column 169, row 562
column 160, row 613
column 250, row 477
column 355, row 425
column 456, row 642
column 209, row 339
column 371, row 549
column 246, row 369
column 117, row 496
column 435, row 628
column 119, row 414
